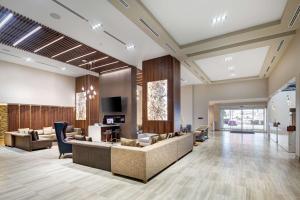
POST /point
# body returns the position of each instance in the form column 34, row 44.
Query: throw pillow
column 155, row 139
column 23, row 130
column 36, row 136
column 47, row 130
column 33, row 135
column 128, row 142
column 69, row 129
column 162, row 136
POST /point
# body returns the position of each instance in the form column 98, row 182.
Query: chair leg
column 59, row 156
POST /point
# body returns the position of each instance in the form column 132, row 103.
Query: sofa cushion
column 24, row 130
column 128, row 142
column 47, row 130
column 69, row 129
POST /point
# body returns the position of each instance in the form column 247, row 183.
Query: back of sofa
column 144, row 163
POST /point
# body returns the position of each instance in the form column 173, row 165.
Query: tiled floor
column 227, row 166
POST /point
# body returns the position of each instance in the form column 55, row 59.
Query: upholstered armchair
column 60, row 131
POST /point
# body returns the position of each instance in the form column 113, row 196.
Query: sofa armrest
column 23, row 142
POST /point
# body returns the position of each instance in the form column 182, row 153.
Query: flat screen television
column 111, row 104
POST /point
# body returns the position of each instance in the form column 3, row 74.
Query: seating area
column 149, row 99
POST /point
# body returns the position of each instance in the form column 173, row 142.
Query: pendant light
column 90, row 93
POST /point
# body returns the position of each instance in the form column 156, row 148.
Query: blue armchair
column 60, row 131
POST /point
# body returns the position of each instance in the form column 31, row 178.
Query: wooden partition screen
column 37, row 116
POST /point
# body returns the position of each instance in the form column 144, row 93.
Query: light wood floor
column 227, row 166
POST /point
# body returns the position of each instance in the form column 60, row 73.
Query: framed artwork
column 157, row 100
column 80, row 106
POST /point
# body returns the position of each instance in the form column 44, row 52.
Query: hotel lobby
column 149, row 99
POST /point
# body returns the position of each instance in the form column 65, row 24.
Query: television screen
column 111, row 104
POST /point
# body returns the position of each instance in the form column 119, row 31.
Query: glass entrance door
column 248, row 119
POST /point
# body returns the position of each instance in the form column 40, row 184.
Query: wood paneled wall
column 92, row 106
column 163, row 68
column 37, row 116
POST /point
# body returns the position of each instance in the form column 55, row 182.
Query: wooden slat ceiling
column 19, row 25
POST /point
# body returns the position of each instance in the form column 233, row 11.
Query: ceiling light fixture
column 81, row 56
column 219, row 19
column 105, row 65
column 130, row 46
column 231, row 68
column 93, row 61
column 228, row 59
column 28, row 59
column 96, row 26
column 6, row 19
column 48, row 44
column 66, row 51
column 27, row 35
column 63, row 68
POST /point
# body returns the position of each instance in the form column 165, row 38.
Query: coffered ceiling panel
column 195, row 20
column 242, row 64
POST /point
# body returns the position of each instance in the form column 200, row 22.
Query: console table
column 96, row 132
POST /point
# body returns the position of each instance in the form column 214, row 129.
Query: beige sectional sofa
column 144, row 163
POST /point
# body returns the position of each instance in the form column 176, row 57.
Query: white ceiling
column 244, row 64
column 191, row 21
column 95, row 11
column 187, row 77
column 13, row 55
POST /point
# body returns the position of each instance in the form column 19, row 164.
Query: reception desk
column 96, row 132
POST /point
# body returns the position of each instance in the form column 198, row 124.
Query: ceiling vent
column 46, row 64
column 124, row 3
column 280, row 45
column 70, row 10
column 295, row 17
column 273, row 59
column 114, row 37
column 268, row 69
column 149, row 27
column 171, row 48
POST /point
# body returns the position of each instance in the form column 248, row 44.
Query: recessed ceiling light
column 28, row 59
column 63, row 68
column 96, row 26
column 231, row 68
column 27, row 35
column 84, row 61
column 227, row 59
column 48, row 44
column 54, row 15
column 219, row 19
column 130, row 46
column 66, row 51
column 6, row 19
